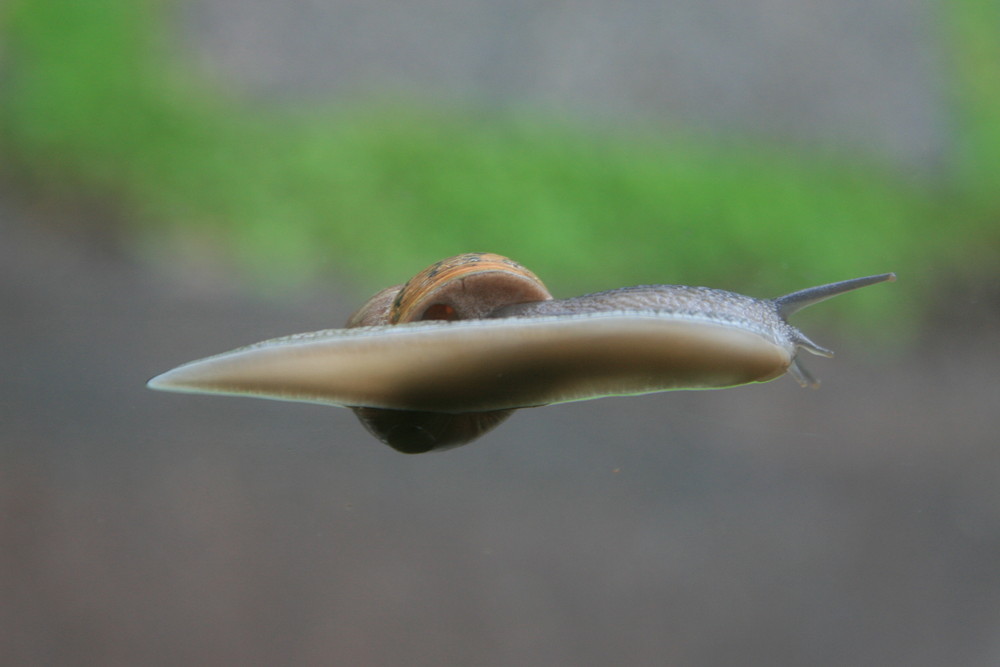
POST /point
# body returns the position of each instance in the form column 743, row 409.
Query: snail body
column 446, row 357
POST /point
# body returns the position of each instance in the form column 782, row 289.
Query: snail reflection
column 446, row 357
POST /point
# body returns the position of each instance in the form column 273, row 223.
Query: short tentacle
column 802, row 375
column 801, row 340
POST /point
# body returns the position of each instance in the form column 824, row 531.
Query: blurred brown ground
column 857, row 524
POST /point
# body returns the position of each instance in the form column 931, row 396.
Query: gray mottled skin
column 768, row 317
column 701, row 303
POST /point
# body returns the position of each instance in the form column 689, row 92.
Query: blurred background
column 180, row 177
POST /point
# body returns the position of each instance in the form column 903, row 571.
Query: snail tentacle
column 790, row 304
column 802, row 375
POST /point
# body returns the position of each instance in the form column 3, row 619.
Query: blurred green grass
column 91, row 104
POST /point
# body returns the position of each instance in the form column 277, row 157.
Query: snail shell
column 446, row 357
column 464, row 287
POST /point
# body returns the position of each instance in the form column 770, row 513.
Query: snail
column 446, row 357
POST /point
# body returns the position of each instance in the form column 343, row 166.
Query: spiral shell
column 464, row 287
